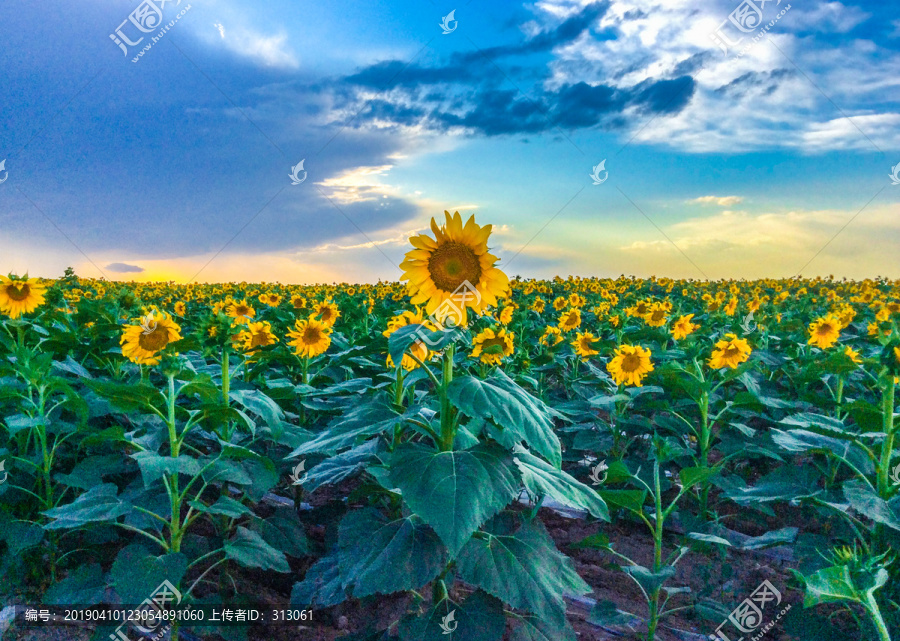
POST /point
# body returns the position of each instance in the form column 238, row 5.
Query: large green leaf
column 363, row 420
column 381, row 556
column 866, row 501
column 339, row 467
column 523, row 568
column 154, row 467
column 128, row 397
column 454, row 492
column 647, row 579
column 283, row 531
column 250, row 550
column 100, row 503
column 629, row 499
column 543, row 479
column 829, row 585
column 322, row 585
column 522, row 416
column 136, row 573
column 531, row 627
column 84, row 585
column 479, row 618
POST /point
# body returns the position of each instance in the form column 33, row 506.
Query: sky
column 304, row 142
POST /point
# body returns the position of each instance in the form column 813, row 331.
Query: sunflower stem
column 448, row 433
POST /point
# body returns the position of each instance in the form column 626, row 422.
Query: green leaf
column 649, row 580
column 691, row 476
column 479, row 618
column 381, row 556
column 20, row 535
column 250, row 550
column 629, row 499
column 96, row 505
column 321, row 586
column 606, row 613
column 136, row 573
column 224, row 505
column 542, row 479
column 708, row 538
column 454, row 492
column 154, row 467
column 866, row 501
column 283, row 531
column 775, row 537
column 340, row 467
column 829, row 585
column 127, row 397
column 524, row 569
column 522, row 416
column 363, row 420
column 82, row 586
column 403, row 338
column 531, row 627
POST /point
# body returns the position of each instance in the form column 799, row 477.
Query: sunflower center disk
column 18, row 292
column 155, row 340
column 631, row 363
column 311, row 336
column 452, row 264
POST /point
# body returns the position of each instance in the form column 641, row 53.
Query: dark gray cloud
column 124, row 268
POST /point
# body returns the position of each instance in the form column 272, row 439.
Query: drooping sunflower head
column 492, row 346
column 683, row 327
column 310, row 337
column 824, row 332
column 730, row 352
column 143, row 341
column 629, row 365
column 20, row 295
column 419, row 348
column 552, row 336
column 453, row 271
column 585, row 345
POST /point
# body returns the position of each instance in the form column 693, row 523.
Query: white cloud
column 271, row 50
column 724, row 201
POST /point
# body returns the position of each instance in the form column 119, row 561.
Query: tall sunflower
column 731, row 351
column 492, row 346
column 437, row 268
column 630, row 364
column 143, row 342
column 569, row 320
column 327, row 312
column 20, row 295
column 240, row 311
column 683, row 327
column 310, row 337
column 258, row 334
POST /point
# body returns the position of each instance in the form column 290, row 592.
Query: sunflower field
column 460, row 455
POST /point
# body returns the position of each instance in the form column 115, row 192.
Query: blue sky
column 176, row 166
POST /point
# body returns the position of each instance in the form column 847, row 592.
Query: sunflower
column 327, row 312
column 505, row 316
column 630, row 365
column 20, row 295
column 570, row 320
column 271, row 299
column 683, row 327
column 441, row 270
column 240, row 311
column 310, row 337
column 560, row 303
column 852, row 354
column 731, row 307
column 824, row 332
column 656, row 315
column 731, row 351
column 538, row 305
column 143, row 341
column 492, row 346
column 298, row 302
column 419, row 348
column 552, row 336
column 258, row 334
column 180, row 308
column 585, row 344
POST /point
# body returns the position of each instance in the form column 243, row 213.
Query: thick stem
column 175, row 532
column 872, row 606
column 657, row 553
column 448, row 432
column 704, row 444
column 226, row 375
column 887, row 448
